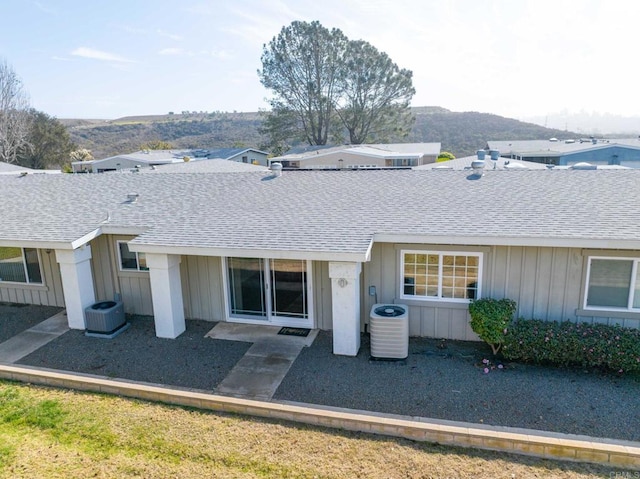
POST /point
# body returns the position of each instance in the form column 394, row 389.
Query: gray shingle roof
column 465, row 163
column 329, row 211
column 557, row 148
column 214, row 165
column 382, row 150
column 9, row 167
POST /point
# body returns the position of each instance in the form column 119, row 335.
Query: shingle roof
column 383, row 150
column 9, row 167
column 329, row 212
column 559, row 147
column 226, row 153
column 214, row 165
column 465, row 163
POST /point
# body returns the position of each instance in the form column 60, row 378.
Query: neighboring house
column 464, row 163
column 241, row 155
column 206, row 166
column 393, row 155
column 316, row 249
column 622, row 152
column 11, row 169
column 501, row 163
column 148, row 158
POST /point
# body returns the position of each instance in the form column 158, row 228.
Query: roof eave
column 510, row 241
column 351, row 256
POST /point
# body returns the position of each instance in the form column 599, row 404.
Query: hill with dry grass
column 461, row 133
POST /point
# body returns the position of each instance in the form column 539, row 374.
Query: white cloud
column 172, row 36
column 219, row 54
column 172, row 51
column 85, row 52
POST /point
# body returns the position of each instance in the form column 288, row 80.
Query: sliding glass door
column 275, row 291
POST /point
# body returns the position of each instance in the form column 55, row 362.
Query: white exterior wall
column 332, row 160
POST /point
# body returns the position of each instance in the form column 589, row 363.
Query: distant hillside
column 460, row 133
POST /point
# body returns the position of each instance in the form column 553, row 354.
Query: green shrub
column 570, row 344
column 490, row 318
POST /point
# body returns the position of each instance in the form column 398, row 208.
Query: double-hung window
column 20, row 265
column 130, row 260
column 613, row 284
column 441, row 275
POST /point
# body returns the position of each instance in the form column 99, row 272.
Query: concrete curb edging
column 620, row 454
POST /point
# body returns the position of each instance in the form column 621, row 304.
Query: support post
column 77, row 283
column 166, row 294
column 345, row 299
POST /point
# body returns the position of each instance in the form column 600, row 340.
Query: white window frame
column 635, row 270
column 137, row 269
column 270, row 318
column 26, row 271
column 440, row 253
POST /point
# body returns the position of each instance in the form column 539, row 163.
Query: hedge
column 573, row 344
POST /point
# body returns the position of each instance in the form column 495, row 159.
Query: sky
column 107, row 59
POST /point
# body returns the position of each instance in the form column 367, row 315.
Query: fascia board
column 252, row 253
column 510, row 241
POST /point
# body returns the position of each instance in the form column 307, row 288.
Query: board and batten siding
column 203, row 290
column 547, row 283
column 134, row 287
column 49, row 293
column 202, row 287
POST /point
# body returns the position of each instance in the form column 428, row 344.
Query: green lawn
column 51, row 433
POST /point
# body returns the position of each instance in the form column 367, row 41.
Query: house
column 11, row 169
column 316, row 249
column 148, row 158
column 393, row 155
column 198, row 165
column 622, row 152
column 465, row 163
column 241, row 155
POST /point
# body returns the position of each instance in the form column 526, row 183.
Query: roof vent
column 494, row 154
column 478, row 166
column 594, row 140
column 276, row 169
column 584, row 166
column 514, row 166
column 132, row 197
column 481, row 154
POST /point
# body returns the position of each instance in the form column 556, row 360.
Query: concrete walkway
column 33, row 338
column 263, row 367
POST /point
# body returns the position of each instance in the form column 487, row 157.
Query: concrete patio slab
column 252, row 333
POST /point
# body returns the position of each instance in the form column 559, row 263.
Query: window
column 20, row 265
column 130, row 260
column 449, row 276
column 613, row 283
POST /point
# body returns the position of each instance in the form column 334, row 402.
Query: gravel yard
column 439, row 379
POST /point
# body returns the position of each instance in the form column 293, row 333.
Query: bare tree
column 14, row 114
